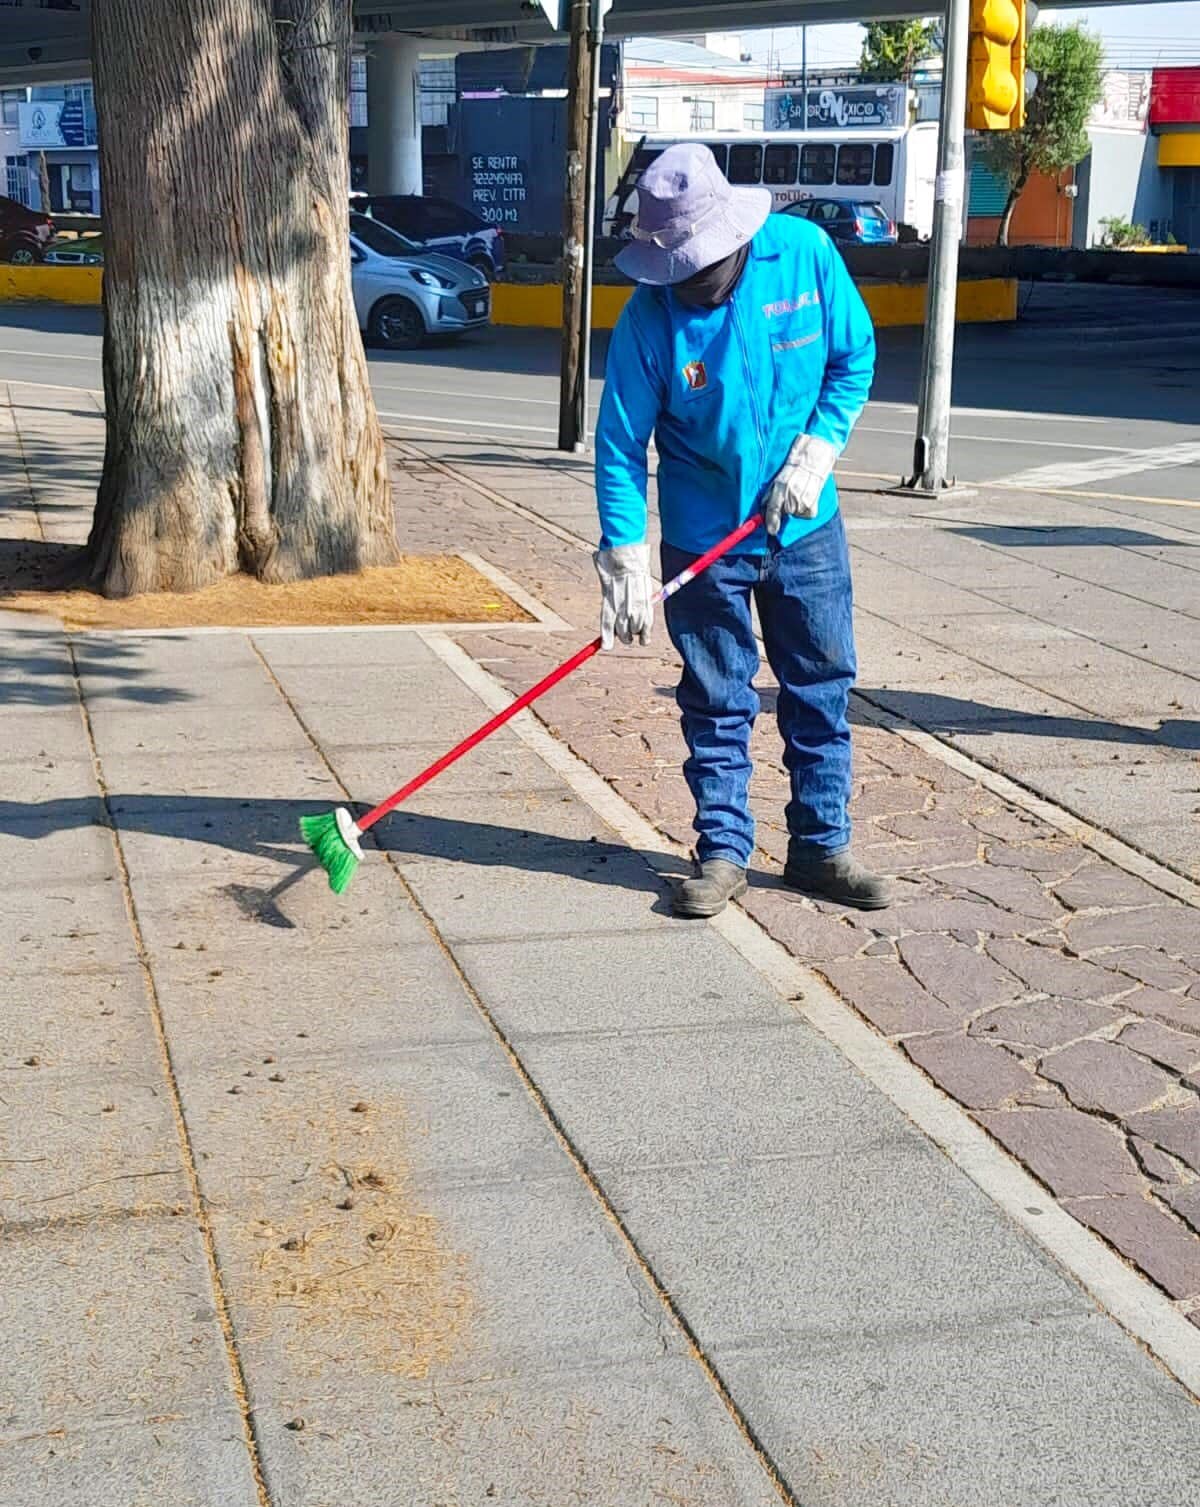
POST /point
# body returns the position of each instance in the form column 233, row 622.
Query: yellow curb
column 981, row 300
column 50, row 284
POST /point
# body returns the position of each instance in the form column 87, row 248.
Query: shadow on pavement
column 36, row 671
column 956, row 714
column 270, row 829
column 1065, row 536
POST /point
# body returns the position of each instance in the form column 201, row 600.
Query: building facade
column 49, row 147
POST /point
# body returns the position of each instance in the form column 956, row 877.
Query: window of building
column 643, row 112
column 704, row 115
column 816, row 163
column 17, row 179
column 358, row 92
column 11, row 101
column 855, row 165
column 885, row 157
column 745, row 163
column 752, row 117
column 780, row 164
column 438, row 90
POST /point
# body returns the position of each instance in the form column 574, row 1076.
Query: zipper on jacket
column 750, row 388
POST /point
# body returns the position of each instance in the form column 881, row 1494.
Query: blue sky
column 1136, row 36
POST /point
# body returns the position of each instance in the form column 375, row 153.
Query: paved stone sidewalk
column 1053, row 994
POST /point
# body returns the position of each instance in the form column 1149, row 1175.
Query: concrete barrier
column 539, row 304
column 980, row 301
column 49, row 284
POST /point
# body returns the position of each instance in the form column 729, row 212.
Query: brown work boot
column 710, row 891
column 839, row 877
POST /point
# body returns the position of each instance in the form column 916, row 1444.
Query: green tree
column 892, row 49
column 1068, row 61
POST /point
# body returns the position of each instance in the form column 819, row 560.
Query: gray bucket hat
column 689, row 216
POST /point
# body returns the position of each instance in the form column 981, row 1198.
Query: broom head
column 334, row 838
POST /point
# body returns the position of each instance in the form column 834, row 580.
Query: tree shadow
column 37, row 671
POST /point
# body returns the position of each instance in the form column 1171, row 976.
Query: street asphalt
column 1088, row 379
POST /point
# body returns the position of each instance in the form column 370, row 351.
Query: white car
column 404, row 296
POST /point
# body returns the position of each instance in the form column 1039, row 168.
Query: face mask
column 712, row 285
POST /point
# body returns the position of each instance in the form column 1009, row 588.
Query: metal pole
column 574, row 227
column 595, row 41
column 804, row 71
column 931, row 454
column 579, row 219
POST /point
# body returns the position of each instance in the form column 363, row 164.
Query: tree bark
column 240, row 429
column 1010, row 204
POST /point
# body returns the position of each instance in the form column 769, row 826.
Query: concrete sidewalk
column 486, row 1181
column 489, row 1181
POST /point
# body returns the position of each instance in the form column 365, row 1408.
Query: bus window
column 854, row 165
column 885, row 156
column 816, row 163
column 745, row 164
column 780, row 163
column 642, row 159
column 720, row 150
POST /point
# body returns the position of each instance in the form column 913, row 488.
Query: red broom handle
column 581, row 656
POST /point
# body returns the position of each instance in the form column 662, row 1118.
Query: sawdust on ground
column 355, row 1274
column 417, row 589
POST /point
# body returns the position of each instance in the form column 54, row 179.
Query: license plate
column 476, row 304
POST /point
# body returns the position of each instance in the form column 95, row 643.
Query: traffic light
column 996, row 64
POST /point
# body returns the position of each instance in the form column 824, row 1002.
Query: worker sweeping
column 748, row 354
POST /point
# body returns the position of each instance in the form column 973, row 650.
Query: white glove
column 627, row 593
column 796, row 490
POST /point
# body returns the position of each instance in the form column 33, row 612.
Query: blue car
column 439, row 225
column 854, row 222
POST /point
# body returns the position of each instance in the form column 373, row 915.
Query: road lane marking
column 464, row 426
column 1123, row 463
column 50, row 356
column 1018, row 414
column 994, row 439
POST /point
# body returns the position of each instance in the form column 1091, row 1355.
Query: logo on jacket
column 695, row 375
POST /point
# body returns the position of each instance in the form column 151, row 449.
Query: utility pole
column 931, row 454
column 579, row 217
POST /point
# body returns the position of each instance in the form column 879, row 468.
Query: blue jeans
column 805, row 607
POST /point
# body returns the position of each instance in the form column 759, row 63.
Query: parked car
column 404, row 295
column 855, row 222
column 24, row 233
column 82, row 251
column 440, row 225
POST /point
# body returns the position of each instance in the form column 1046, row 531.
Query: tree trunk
column 240, row 429
column 1014, row 193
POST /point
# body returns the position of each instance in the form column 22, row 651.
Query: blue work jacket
column 725, row 392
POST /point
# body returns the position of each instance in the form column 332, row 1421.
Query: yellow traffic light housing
column 996, row 65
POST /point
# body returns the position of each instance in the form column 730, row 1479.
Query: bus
column 894, row 165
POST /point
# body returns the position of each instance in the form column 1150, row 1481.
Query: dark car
column 439, row 225
column 856, row 222
column 24, row 233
